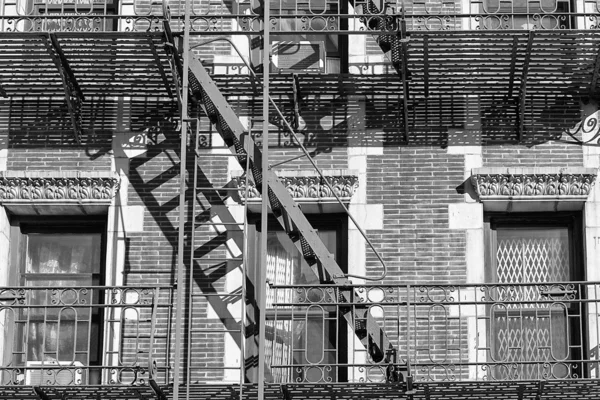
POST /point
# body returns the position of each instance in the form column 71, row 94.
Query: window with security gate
column 535, row 326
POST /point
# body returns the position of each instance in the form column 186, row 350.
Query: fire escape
column 496, row 84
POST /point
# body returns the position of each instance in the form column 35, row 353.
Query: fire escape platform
column 488, row 390
column 101, row 64
column 441, row 63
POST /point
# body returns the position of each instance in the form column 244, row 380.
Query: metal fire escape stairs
column 203, row 89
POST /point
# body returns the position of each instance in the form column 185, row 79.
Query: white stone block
column 465, row 216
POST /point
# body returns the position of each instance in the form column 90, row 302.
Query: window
column 77, row 16
column 535, row 318
column 308, row 52
column 528, row 14
column 58, row 262
column 305, row 341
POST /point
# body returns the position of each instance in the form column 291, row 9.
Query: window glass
column 63, row 254
column 61, row 324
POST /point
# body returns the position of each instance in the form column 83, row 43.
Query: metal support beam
column 405, row 93
column 159, row 66
column 73, row 95
column 3, row 92
column 523, row 90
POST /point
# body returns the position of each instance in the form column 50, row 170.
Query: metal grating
column 115, row 64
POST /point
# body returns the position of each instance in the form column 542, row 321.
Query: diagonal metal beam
column 159, row 66
column 595, row 73
column 513, row 66
column 523, row 90
column 66, row 68
column 3, row 92
column 73, row 95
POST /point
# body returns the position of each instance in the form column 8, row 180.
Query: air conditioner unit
column 302, row 56
column 54, row 373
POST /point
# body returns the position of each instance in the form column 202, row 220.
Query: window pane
column 63, row 253
column 532, row 255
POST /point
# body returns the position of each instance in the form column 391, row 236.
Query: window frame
column 20, row 227
column 573, row 221
column 318, row 221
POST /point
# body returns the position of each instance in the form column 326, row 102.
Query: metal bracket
column 540, row 390
column 39, row 392
column 160, row 395
column 523, row 91
column 286, row 392
column 297, row 100
column 73, row 95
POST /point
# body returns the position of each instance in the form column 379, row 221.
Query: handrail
column 307, row 154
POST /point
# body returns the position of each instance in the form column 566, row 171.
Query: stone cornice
column 66, row 187
column 535, row 183
column 308, row 188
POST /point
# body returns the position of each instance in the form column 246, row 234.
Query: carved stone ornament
column 63, row 188
column 576, row 184
column 307, row 188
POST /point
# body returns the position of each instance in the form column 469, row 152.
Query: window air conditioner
column 302, row 56
column 58, row 373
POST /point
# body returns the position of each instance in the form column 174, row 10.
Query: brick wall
column 414, row 183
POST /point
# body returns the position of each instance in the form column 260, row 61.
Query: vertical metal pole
column 182, row 187
column 262, row 287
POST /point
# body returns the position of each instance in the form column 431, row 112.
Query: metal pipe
column 182, row 190
column 264, row 217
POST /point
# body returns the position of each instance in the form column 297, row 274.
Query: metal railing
column 317, row 16
column 443, row 333
column 65, row 336
column 80, row 336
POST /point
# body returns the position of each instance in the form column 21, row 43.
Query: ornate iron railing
column 317, row 16
column 72, row 336
column 80, row 336
column 491, row 332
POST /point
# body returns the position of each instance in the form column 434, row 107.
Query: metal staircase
column 204, row 92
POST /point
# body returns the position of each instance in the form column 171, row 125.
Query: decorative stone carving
column 532, row 184
column 310, row 188
column 57, row 188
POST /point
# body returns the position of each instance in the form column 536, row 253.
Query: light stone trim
column 306, row 188
column 538, row 184
column 66, row 187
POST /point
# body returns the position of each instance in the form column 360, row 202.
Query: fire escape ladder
column 288, row 213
